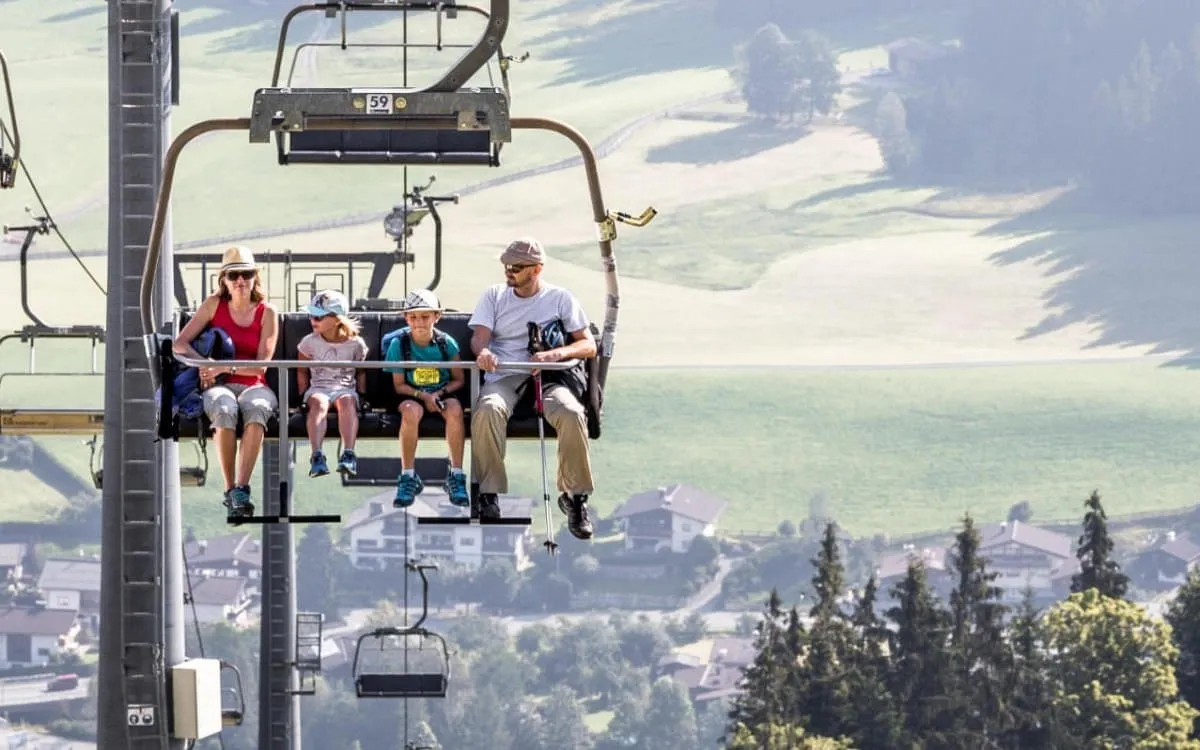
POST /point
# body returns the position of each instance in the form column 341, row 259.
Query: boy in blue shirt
column 427, row 389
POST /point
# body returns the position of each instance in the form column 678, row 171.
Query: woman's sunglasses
column 235, row 275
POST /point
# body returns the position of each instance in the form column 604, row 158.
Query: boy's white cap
column 420, row 300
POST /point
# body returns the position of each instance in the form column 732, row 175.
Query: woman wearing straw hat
column 240, row 309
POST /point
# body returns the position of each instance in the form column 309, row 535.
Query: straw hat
column 237, row 258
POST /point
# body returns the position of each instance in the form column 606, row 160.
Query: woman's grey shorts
column 257, row 404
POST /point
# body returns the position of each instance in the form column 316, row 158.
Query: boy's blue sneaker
column 456, row 488
column 348, row 464
column 318, row 466
column 238, row 505
column 407, row 489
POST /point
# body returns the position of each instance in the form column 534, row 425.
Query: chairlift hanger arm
column 9, row 164
column 462, row 70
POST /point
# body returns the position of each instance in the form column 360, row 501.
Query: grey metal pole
column 279, row 707
column 174, row 619
column 142, row 572
column 110, row 724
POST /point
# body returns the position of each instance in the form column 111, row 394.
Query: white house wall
column 62, row 599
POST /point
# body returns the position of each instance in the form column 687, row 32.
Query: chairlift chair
column 395, row 662
column 233, row 712
column 409, row 662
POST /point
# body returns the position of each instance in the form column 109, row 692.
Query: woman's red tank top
column 245, row 338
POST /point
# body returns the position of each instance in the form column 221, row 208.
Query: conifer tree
column 1028, row 696
column 763, row 700
column 920, row 668
column 1184, row 618
column 1097, row 568
column 823, row 676
column 874, row 721
column 977, row 646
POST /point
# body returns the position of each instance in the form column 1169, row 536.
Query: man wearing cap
column 501, row 334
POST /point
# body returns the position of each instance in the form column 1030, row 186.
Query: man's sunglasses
column 514, row 268
column 235, row 275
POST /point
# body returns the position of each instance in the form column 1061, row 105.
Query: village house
column 1167, row 563
column 668, row 518
column 222, row 599
column 377, row 533
column 71, row 583
column 228, row 556
column 710, row 669
column 1021, row 555
column 30, row 636
column 12, row 557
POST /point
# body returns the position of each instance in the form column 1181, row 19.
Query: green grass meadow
column 896, row 451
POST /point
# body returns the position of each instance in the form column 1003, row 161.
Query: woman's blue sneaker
column 238, row 505
column 408, row 486
column 348, row 464
column 318, row 467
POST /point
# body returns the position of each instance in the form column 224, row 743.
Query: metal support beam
column 142, row 566
column 278, row 707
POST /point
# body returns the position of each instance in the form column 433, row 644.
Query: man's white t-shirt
column 508, row 316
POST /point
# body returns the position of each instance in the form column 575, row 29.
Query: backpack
column 552, row 335
column 179, row 394
column 405, row 336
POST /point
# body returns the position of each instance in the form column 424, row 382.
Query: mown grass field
column 896, row 451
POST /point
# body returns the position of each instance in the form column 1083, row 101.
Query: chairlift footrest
column 265, row 520
column 467, row 521
column 377, row 471
column 376, row 109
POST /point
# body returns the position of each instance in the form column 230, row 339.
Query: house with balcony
column 228, row 556
column 1022, row 556
column 382, row 536
column 668, row 518
column 71, row 583
column 30, row 636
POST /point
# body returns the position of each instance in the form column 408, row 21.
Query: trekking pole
column 537, row 344
column 549, row 544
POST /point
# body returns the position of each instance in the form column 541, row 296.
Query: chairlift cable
column 53, row 224
column 407, row 519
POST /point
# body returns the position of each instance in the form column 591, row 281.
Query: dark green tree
column 764, row 700
column 822, row 676
column 1183, row 615
column 1031, row 724
column 921, row 670
column 981, row 657
column 1097, row 568
column 874, row 720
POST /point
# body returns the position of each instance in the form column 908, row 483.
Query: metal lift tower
column 141, row 621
